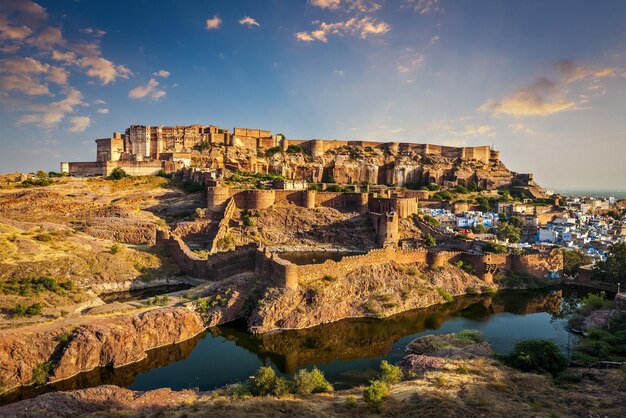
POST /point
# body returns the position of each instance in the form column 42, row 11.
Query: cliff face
column 113, row 342
column 372, row 291
column 362, row 164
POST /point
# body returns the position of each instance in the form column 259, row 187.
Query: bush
column 239, row 391
column 431, row 220
column 471, row 335
column 521, row 280
column 264, row 382
column 351, row 401
column 537, row 356
column 375, row 392
column 115, row 248
column 412, row 271
column 41, row 373
column 389, row 373
column 117, row 174
column 28, row 311
column 489, row 289
column 306, row 382
column 430, row 241
column 449, row 297
column 44, row 237
column 471, row 291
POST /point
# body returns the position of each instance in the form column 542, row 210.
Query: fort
column 383, row 212
column 147, row 150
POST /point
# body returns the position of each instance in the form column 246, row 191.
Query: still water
column 348, row 351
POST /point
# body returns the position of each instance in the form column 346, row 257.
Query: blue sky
column 545, row 81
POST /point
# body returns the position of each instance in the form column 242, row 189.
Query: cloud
column 363, row 27
column 248, row 21
column 326, row 4
column 423, row 6
column 213, row 23
column 571, row 72
column 480, row 130
column 541, row 98
column 338, row 72
column 162, row 74
column 434, row 40
column 150, row 91
column 411, row 62
column 99, row 102
column 79, row 123
column 519, row 128
column 24, row 83
column 51, row 114
column 546, row 97
column 103, row 110
column 95, row 32
column 47, row 38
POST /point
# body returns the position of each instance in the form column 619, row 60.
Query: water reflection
column 347, row 351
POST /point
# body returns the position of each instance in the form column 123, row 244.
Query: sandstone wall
column 223, row 226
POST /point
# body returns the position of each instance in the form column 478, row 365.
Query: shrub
column 537, row 356
column 430, row 241
column 449, row 297
column 23, row 310
column 472, row 335
column 412, row 271
column 225, row 243
column 431, row 220
column 41, row 373
column 115, row 248
column 375, row 392
column 351, row 401
column 44, row 237
column 306, row 382
column 264, row 382
column 239, row 391
column 117, row 174
column 471, row 291
column 389, row 373
column 489, row 289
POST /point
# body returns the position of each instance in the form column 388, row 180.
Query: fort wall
column 223, row 226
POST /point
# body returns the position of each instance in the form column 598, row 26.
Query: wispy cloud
column 326, row 4
column 103, row 110
column 51, row 114
column 79, row 123
column 161, row 73
column 213, row 23
column 545, row 97
column 363, row 27
column 248, row 21
column 150, row 91
column 423, row 6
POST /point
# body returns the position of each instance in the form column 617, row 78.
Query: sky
column 543, row 81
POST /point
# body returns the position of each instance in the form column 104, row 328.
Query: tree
column 484, row 205
column 573, row 260
column 537, row 356
column 430, row 241
column 509, row 231
column 614, row 268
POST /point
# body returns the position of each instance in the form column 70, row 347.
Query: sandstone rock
column 416, row 365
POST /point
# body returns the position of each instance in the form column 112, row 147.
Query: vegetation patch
column 537, row 355
column 520, row 280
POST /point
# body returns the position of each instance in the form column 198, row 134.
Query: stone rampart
column 223, row 226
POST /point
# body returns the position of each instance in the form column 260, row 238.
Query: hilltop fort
column 145, row 150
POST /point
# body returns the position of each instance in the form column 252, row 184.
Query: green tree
column 537, row 356
column 614, row 268
column 573, row 260
column 508, row 230
column 430, row 241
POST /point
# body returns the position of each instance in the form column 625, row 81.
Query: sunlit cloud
column 79, row 123
column 150, row 91
column 546, row 97
column 213, row 23
column 162, row 74
column 95, row 32
column 103, row 110
column 51, row 114
column 326, row 4
column 521, row 128
column 423, row 6
column 248, row 21
column 363, row 28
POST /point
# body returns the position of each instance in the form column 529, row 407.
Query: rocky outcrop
column 102, row 398
column 114, row 342
column 371, row 291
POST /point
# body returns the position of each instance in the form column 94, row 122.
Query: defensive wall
column 104, row 168
column 286, row 274
column 223, row 225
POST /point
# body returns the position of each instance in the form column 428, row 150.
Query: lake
column 348, row 351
